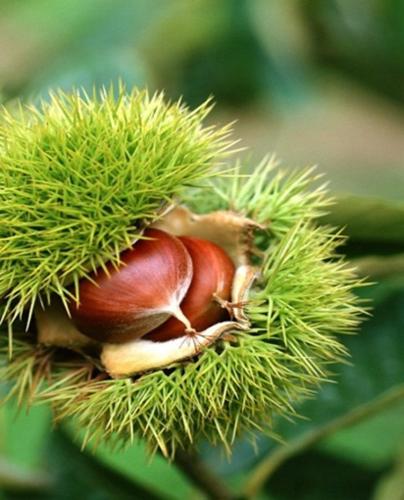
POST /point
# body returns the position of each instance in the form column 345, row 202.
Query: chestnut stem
column 177, row 312
column 200, row 474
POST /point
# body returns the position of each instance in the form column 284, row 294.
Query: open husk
column 228, row 230
column 55, row 328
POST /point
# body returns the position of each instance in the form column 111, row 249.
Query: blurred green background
column 314, row 81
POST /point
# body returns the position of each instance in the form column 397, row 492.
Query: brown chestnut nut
column 211, row 284
column 125, row 303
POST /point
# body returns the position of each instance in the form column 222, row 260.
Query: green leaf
column 376, row 364
column 369, row 220
column 79, row 474
column 363, row 389
column 391, row 486
column 135, row 464
column 23, row 435
column 377, row 355
column 319, row 476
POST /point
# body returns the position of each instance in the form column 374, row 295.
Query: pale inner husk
column 230, row 231
column 55, row 328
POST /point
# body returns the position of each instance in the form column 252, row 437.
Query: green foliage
column 370, row 220
column 377, row 365
column 80, row 178
column 368, row 387
column 79, row 474
column 391, row 486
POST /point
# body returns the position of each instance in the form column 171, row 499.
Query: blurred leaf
column 361, row 39
column 206, row 47
column 73, row 42
column 319, row 476
column 27, row 440
column 88, row 72
column 377, row 355
column 280, row 29
column 391, row 486
column 135, row 464
column 369, row 220
column 378, row 358
column 23, row 435
column 79, row 474
column 372, row 442
column 18, row 480
column 266, row 469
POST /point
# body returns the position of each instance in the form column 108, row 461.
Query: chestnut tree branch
column 378, row 267
column 269, row 465
column 201, row 475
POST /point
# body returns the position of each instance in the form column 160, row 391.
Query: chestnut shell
column 121, row 304
column 211, row 283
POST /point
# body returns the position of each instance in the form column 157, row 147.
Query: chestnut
column 125, row 302
column 164, row 288
column 211, row 285
column 131, row 310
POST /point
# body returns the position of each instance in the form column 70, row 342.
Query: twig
column 380, row 267
column 266, row 468
column 195, row 469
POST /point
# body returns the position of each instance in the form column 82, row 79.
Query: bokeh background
column 314, row 81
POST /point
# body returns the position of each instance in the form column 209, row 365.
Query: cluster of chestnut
column 181, row 287
column 164, row 288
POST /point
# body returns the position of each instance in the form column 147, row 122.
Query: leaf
column 80, row 474
column 377, row 355
column 27, row 440
column 23, row 435
column 391, row 486
column 380, row 367
column 369, row 220
column 135, row 464
column 372, row 442
column 318, row 476
column 376, row 364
